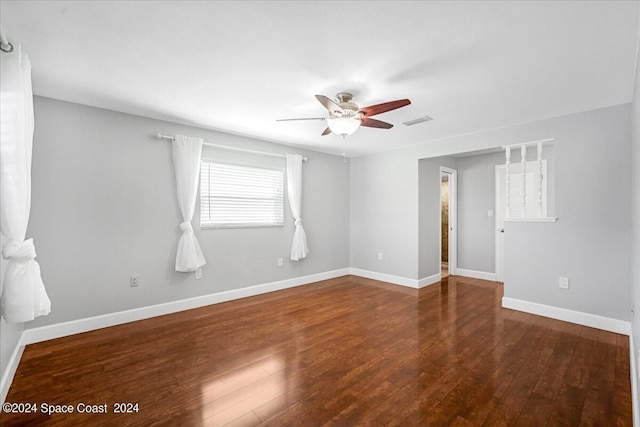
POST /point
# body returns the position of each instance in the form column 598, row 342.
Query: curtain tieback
column 298, row 222
column 19, row 251
column 186, row 227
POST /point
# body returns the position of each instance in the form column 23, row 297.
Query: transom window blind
column 238, row 196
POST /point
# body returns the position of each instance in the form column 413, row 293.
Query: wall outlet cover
column 563, row 282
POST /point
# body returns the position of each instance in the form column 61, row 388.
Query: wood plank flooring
column 343, row 352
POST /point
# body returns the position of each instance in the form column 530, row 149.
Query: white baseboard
column 396, row 280
column 430, row 280
column 586, row 319
column 635, row 410
column 476, row 274
column 58, row 330
column 12, row 367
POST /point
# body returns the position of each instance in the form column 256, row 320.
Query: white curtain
column 186, row 161
column 299, row 247
column 23, row 295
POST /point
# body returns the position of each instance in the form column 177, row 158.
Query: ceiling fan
column 345, row 117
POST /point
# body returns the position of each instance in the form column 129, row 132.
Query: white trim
column 477, row 274
column 430, row 280
column 540, row 141
column 499, row 261
column 58, row 330
column 634, row 382
column 544, row 219
column 586, row 319
column 12, row 367
column 396, row 280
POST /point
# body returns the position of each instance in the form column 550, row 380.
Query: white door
column 515, row 205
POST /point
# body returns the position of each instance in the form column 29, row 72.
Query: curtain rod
column 226, row 147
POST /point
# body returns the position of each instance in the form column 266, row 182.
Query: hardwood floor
column 343, row 352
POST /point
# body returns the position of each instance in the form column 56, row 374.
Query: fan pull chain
column 344, row 149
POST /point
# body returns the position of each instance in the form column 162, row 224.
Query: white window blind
column 235, row 196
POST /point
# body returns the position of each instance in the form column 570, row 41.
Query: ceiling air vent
column 416, row 121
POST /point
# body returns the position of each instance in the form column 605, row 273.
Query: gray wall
column 429, row 213
column 590, row 243
column 104, row 208
column 384, row 214
column 476, row 195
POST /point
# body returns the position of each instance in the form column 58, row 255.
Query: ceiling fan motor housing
column 344, row 101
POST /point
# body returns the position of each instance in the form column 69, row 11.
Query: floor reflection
column 235, row 395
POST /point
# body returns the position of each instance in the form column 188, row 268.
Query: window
column 535, row 192
column 526, row 195
column 238, row 196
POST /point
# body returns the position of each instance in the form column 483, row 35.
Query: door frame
column 498, row 259
column 453, row 219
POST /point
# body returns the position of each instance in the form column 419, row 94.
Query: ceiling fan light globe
column 343, row 125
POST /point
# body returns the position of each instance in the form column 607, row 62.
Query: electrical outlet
column 133, row 281
column 280, row 262
column 199, row 273
column 490, row 213
column 379, row 256
column 563, row 283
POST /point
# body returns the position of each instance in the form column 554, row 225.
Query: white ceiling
column 239, row 66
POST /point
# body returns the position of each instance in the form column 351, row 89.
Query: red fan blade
column 373, row 123
column 372, row 110
column 329, row 105
column 327, row 131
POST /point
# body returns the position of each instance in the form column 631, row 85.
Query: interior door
column 532, row 208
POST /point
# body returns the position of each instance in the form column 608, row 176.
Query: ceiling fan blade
column 309, row 118
column 327, row 131
column 373, row 123
column 372, row 110
column 329, row 104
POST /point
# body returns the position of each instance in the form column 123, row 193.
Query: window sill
column 236, row 226
column 543, row 219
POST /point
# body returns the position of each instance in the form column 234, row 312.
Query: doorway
column 448, row 221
